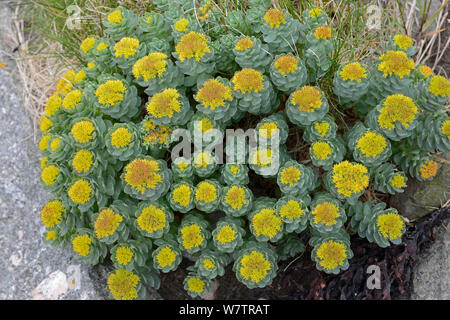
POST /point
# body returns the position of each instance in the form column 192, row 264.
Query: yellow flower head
column 286, row 64
column 403, row 41
column 72, row 99
column 445, row 128
column 166, row 257
column 426, row 71
column 107, row 223
column 274, row 18
column 353, row 71
column 44, row 162
column 55, row 144
column 110, row 92
column 49, row 174
column 182, row 195
column 262, row 158
column 102, row 46
column 80, row 192
column 51, row 213
column 80, row 76
column 244, row 44
column 181, row 25
column 234, row 169
column 91, row 65
column 87, row 44
column 121, row 137
column 307, row 99
column 195, row 284
column 164, row 103
column 181, row 164
column 115, row 17
column 428, row 169
column 206, row 192
column 331, row 254
column 267, row 129
column 124, row 255
column 152, row 219
column 315, row 12
column 151, row 66
column 126, row 47
column 202, row 159
column 248, row 80
column 64, row 85
column 322, row 128
column 45, row 123
column 204, row 125
column 326, row 213
column 51, row 235
column 142, row 174
column 192, row 45
column 213, row 94
column 235, row 197
column 439, row 86
column 291, row 210
column 254, row 266
column 122, row 284
column 349, row 178
column 321, row 150
column 290, row 175
column 322, row 32
column 395, row 62
column 208, row 264
column 44, row 142
column 82, row 131
column 53, row 104
column 191, row 236
column 265, row 222
column 81, row 244
column 82, row 161
column 398, row 181
column 390, row 225
column 371, row 144
column 226, row 234
column 397, row 108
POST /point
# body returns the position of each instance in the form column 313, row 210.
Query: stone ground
column 32, row 269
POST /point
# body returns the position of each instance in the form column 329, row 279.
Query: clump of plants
column 109, row 134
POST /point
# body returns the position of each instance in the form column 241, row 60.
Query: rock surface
column 431, row 280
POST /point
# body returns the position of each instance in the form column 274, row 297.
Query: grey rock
column 431, row 279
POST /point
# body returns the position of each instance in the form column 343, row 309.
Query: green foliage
column 107, row 139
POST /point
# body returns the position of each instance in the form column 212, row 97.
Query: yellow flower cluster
column 49, row 174
column 123, row 284
column 262, row 158
column 206, row 192
column 72, row 99
column 323, row 32
column 124, row 255
column 291, row 210
column 353, row 71
column 371, row 144
column 428, row 169
column 82, row 161
column 142, row 174
column 164, row 103
column 213, row 94
column 307, row 99
column 321, row 150
column 81, row 244
column 248, row 80
column 80, row 192
column 191, row 236
column 267, row 129
column 107, row 223
column 326, row 213
column 440, row 86
column 244, row 44
column 397, row 108
column 166, row 257
column 192, row 45
column 121, row 137
column 110, row 92
column 331, row 254
column 196, row 285
column 290, row 175
column 126, row 47
column 181, row 25
column 322, row 128
column 235, row 197
column 390, row 225
column 395, row 62
column 51, row 213
column 254, row 266
column 151, row 66
column 53, row 104
column 403, row 41
column 82, row 131
column 152, row 219
column 398, row 181
column 266, row 222
column 87, row 44
column 274, row 18
column 445, row 128
column 286, row 64
column 226, row 234
column 349, row 178
column 115, row 17
column 182, row 195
